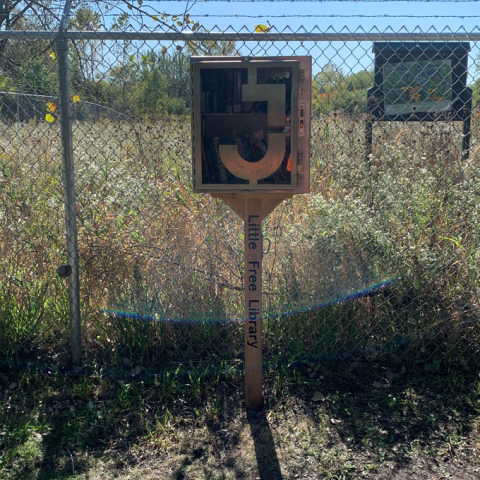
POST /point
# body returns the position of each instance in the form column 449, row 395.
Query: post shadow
column 267, row 460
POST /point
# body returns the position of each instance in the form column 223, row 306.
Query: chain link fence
column 24, row 107
column 380, row 259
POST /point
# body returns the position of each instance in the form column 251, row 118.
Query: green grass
column 376, row 419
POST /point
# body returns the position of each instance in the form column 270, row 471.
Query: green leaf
column 180, row 198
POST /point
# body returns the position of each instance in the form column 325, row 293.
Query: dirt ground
column 354, row 420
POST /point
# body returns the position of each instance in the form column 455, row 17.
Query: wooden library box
column 251, row 124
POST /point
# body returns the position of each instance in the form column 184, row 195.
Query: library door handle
column 255, row 171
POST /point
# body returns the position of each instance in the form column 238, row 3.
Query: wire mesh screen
column 381, row 257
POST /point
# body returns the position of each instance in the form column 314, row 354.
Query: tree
column 150, row 83
column 137, row 82
column 84, row 52
column 211, row 48
column 333, row 90
column 476, row 85
column 23, row 15
column 38, row 76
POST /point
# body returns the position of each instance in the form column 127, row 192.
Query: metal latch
column 265, row 252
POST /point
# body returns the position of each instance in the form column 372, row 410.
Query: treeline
column 141, row 84
column 154, row 83
column 332, row 89
column 133, row 80
column 137, row 84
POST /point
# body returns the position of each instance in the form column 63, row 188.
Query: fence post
column 18, row 107
column 69, row 186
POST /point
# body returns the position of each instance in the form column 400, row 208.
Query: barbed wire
column 206, row 15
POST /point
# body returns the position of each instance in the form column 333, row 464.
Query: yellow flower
column 49, row 118
column 433, row 93
column 414, row 95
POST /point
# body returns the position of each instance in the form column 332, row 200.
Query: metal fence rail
column 380, row 259
column 232, row 36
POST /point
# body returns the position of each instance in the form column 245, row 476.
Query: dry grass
column 149, row 245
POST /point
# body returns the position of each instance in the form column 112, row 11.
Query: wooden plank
column 236, row 201
column 271, row 203
column 252, row 209
column 253, row 303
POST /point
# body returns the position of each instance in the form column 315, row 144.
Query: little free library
column 251, row 138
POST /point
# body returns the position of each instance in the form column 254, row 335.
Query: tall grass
column 162, row 268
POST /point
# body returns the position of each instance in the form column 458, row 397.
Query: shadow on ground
column 367, row 420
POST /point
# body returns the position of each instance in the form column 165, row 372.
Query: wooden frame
column 214, row 124
column 397, row 53
column 233, row 98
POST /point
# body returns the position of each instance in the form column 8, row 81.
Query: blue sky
column 352, row 56
column 338, row 53
column 331, row 8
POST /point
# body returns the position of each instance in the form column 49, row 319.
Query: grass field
column 375, row 274
column 402, row 225
column 321, row 421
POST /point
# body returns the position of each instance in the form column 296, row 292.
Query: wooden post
column 253, row 208
column 253, row 303
column 215, row 151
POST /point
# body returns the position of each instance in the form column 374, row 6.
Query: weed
column 152, row 251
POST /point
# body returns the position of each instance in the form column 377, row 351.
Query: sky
column 353, row 56
column 303, row 9
column 324, row 16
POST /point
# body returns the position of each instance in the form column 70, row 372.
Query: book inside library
column 229, row 118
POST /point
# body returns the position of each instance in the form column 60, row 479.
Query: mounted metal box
column 251, row 124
